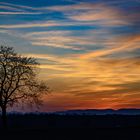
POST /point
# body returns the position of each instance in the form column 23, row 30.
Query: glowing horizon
column 89, row 50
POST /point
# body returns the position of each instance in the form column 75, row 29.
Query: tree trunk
column 4, row 117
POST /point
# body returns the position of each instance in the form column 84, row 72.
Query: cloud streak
column 129, row 44
column 19, row 13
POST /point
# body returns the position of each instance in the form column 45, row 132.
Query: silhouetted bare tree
column 18, row 82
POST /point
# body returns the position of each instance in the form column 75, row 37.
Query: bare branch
column 18, row 78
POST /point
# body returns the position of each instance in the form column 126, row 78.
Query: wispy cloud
column 4, row 7
column 29, row 25
column 50, row 23
column 17, row 6
column 60, row 39
column 127, row 44
column 19, row 13
column 12, row 9
column 101, row 13
column 55, row 45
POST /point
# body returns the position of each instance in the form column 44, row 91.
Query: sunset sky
column 89, row 50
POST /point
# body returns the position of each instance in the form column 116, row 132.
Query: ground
column 57, row 127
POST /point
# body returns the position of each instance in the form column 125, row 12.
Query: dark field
column 115, row 127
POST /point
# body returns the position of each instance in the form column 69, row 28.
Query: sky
column 89, row 50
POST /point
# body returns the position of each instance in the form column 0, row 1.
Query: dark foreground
column 41, row 127
column 72, row 134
